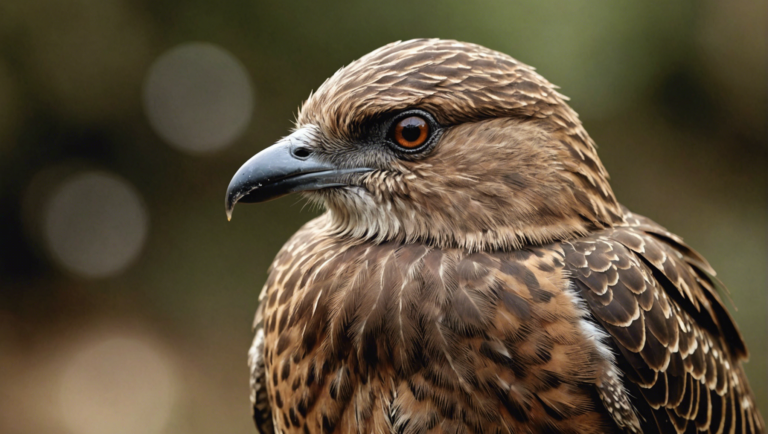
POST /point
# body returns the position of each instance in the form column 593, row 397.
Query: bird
column 473, row 271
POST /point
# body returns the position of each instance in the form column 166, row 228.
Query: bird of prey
column 473, row 271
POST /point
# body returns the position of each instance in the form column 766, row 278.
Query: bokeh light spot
column 198, row 97
column 117, row 385
column 95, row 224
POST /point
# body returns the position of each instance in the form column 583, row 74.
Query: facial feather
column 512, row 165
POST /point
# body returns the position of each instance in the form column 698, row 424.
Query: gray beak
column 288, row 166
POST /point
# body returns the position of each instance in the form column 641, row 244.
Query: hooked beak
column 286, row 167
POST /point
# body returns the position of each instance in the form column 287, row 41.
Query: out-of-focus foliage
column 152, row 337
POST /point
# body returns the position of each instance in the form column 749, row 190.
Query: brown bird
column 473, row 272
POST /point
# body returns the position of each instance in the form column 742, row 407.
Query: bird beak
column 286, row 167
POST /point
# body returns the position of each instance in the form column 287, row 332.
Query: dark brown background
column 674, row 95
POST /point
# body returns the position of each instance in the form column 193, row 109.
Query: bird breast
column 408, row 337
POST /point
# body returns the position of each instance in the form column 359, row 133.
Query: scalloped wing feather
column 680, row 350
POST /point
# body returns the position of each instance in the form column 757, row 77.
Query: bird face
column 440, row 142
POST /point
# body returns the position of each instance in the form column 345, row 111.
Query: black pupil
column 411, row 132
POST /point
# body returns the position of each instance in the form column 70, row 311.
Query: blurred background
column 126, row 298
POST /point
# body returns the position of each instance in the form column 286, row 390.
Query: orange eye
column 411, row 132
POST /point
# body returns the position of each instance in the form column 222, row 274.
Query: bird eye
column 411, row 132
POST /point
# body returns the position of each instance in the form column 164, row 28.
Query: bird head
column 441, row 142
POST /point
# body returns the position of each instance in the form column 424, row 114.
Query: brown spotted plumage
column 485, row 282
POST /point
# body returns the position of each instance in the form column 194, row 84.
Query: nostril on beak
column 301, row 152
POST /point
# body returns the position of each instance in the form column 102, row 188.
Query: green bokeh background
column 674, row 94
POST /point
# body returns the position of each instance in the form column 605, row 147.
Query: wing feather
column 262, row 411
column 678, row 344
